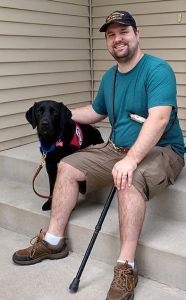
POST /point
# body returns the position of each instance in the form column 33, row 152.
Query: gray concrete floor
column 49, row 280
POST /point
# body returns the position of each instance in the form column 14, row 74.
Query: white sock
column 52, row 239
column 131, row 263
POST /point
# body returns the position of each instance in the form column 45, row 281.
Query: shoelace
column 122, row 279
column 35, row 243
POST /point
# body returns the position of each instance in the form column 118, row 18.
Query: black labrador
column 59, row 135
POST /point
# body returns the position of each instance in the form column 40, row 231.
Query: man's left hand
column 123, row 172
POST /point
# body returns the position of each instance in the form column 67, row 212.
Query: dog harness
column 76, row 141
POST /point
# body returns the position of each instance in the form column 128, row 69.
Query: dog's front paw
column 47, row 205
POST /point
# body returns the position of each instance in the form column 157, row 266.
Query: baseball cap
column 121, row 17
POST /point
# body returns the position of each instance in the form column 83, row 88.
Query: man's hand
column 123, row 172
column 148, row 137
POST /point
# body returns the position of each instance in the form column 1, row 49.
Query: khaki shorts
column 155, row 172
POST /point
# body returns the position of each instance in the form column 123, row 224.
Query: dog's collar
column 59, row 143
column 77, row 141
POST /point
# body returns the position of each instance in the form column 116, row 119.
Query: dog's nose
column 44, row 125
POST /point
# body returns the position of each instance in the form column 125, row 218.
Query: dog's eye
column 41, row 110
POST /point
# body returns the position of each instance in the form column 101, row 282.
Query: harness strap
column 77, row 139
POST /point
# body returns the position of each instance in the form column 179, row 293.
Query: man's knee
column 63, row 167
column 69, row 171
column 130, row 193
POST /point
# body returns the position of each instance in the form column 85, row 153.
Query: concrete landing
column 49, row 280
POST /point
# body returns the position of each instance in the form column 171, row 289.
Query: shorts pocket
column 157, row 183
column 175, row 163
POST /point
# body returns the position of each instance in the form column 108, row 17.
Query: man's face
column 122, row 42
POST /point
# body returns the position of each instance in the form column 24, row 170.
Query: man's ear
column 30, row 116
column 65, row 114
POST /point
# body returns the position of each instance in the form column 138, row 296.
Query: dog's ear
column 30, row 116
column 65, row 114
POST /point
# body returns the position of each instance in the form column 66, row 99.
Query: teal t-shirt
column 150, row 83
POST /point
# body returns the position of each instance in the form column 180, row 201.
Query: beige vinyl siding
column 162, row 26
column 44, row 54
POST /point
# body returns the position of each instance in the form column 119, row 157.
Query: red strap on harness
column 77, row 139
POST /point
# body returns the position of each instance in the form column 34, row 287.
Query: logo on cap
column 122, row 17
column 115, row 16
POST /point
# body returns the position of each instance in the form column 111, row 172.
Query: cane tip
column 74, row 285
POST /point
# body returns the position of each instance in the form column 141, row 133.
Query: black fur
column 51, row 118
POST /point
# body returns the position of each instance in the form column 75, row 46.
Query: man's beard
column 126, row 57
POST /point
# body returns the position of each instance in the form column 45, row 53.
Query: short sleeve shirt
column 150, row 83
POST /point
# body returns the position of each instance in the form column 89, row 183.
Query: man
column 141, row 159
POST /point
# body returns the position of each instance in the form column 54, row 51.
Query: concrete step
column 54, row 277
column 161, row 253
column 21, row 164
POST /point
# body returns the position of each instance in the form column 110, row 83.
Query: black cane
column 75, row 283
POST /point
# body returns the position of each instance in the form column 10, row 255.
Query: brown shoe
column 123, row 284
column 40, row 250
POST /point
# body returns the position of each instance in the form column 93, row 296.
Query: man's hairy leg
column 65, row 196
column 131, row 210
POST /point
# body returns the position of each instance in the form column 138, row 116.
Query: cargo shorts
column 154, row 173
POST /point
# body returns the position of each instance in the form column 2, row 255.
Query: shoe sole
column 39, row 259
column 131, row 297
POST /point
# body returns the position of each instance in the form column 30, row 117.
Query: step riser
column 163, row 267
column 22, row 221
column 153, row 264
column 170, row 203
column 22, row 171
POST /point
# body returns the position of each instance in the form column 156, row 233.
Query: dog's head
column 48, row 116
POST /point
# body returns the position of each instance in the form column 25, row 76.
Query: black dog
column 59, row 135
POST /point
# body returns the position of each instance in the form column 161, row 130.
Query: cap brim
column 106, row 25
